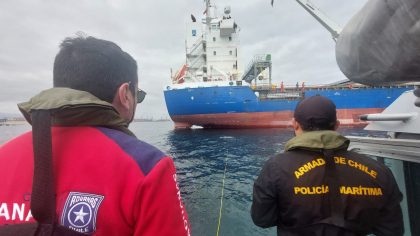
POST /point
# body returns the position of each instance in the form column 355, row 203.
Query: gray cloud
column 153, row 33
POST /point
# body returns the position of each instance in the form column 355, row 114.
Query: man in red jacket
column 107, row 182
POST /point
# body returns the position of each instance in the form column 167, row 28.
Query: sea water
column 200, row 157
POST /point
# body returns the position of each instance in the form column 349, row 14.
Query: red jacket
column 107, row 182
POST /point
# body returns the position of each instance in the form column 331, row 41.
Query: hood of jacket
column 71, row 107
column 318, row 140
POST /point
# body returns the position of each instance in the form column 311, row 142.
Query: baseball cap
column 316, row 112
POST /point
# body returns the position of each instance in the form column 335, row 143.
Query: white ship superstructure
column 211, row 48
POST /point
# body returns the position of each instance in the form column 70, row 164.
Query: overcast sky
column 153, row 32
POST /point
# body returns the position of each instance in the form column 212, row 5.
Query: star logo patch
column 80, row 211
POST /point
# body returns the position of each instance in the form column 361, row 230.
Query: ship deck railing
column 275, row 87
column 258, row 64
column 296, row 95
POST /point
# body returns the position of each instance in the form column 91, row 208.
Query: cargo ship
column 210, row 90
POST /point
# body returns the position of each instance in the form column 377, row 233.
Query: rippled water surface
column 200, row 157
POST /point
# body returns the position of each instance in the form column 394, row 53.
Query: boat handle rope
column 221, row 198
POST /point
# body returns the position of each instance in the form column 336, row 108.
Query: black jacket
column 306, row 191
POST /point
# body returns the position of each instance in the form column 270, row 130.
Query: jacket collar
column 71, row 107
column 318, row 140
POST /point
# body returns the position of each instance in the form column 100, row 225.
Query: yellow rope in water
column 221, row 199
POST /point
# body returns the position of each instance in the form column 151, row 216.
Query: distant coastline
column 8, row 121
column 12, row 121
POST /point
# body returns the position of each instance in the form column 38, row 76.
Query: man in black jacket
column 317, row 187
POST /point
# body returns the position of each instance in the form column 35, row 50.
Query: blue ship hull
column 239, row 106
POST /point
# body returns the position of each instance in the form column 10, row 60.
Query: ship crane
column 325, row 21
column 257, row 66
column 328, row 24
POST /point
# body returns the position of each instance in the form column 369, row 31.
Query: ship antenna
column 207, row 12
column 207, row 6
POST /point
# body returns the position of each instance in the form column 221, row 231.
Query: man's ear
column 296, row 127
column 294, row 124
column 122, row 98
column 337, row 123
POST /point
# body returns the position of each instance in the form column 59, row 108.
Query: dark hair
column 93, row 65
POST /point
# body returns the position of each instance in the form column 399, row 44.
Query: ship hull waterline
column 276, row 119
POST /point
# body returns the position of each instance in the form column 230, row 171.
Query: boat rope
column 221, row 198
